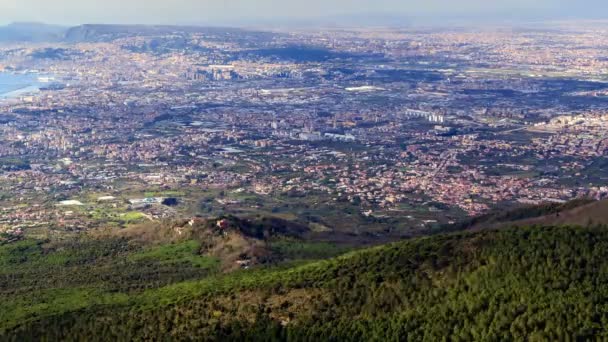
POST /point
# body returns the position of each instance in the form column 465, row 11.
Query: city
column 372, row 124
column 299, row 181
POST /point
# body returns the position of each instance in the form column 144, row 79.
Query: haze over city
column 248, row 12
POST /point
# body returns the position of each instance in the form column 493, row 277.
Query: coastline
column 14, row 85
column 30, row 89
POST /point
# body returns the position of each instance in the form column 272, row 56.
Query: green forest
column 533, row 283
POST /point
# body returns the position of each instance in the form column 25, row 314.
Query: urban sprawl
column 337, row 128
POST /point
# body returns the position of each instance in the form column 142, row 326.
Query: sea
column 16, row 84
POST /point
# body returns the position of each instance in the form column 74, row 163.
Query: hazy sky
column 250, row 11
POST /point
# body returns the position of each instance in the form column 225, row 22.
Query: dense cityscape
column 334, row 127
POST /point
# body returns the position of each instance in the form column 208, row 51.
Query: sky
column 200, row 12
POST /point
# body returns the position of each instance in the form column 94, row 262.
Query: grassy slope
column 534, row 283
column 40, row 280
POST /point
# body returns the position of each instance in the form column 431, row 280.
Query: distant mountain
column 104, row 33
column 39, row 32
column 110, row 32
column 31, row 32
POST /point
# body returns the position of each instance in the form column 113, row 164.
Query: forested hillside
column 581, row 212
column 535, row 283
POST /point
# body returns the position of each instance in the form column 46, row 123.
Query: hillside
column 106, row 33
column 233, row 241
column 40, row 32
column 31, row 32
column 594, row 213
column 581, row 212
column 546, row 283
